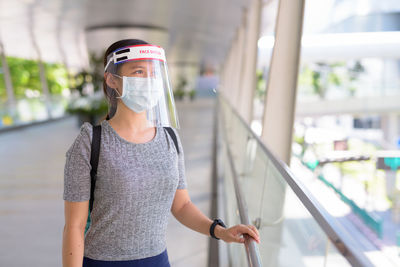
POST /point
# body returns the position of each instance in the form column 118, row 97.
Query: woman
column 141, row 173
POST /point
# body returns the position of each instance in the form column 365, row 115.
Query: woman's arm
column 76, row 214
column 189, row 215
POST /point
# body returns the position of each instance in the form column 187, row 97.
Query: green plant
column 261, row 85
column 317, row 84
column 179, row 92
column 3, row 94
column 320, row 76
column 25, row 75
column 92, row 76
column 89, row 104
column 354, row 73
column 192, row 94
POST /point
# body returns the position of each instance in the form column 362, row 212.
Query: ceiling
column 191, row 31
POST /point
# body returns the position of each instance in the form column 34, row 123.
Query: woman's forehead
column 139, row 63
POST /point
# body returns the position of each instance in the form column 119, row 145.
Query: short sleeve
column 181, row 163
column 77, row 167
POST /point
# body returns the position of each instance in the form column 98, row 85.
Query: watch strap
column 213, row 225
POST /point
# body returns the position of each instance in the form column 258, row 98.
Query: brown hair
column 109, row 92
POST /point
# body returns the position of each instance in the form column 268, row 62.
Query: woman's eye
column 138, row 72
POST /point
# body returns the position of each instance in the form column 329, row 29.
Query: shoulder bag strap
column 173, row 136
column 94, row 161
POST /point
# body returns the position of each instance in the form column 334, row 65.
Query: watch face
column 220, row 222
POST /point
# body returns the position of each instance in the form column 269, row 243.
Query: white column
column 279, row 107
column 239, row 56
column 231, row 72
column 224, row 76
column 42, row 70
column 248, row 83
column 279, row 110
column 60, row 44
column 7, row 77
column 226, row 72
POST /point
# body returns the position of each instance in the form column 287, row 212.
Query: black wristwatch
column 212, row 227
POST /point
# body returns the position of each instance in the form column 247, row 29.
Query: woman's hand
column 234, row 233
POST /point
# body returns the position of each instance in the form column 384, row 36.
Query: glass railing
column 260, row 189
column 30, row 110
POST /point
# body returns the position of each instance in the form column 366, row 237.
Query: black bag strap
column 173, row 136
column 94, row 161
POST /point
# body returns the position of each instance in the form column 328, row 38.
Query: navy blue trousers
column 160, row 260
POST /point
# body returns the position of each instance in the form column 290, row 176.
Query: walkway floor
column 31, row 187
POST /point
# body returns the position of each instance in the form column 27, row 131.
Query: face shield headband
column 136, row 52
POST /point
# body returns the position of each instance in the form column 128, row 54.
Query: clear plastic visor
column 143, row 86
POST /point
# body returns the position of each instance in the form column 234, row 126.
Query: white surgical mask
column 140, row 94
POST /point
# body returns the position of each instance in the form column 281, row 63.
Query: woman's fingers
column 238, row 239
column 254, row 229
column 246, row 229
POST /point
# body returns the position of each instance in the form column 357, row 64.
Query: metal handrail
column 252, row 252
column 329, row 225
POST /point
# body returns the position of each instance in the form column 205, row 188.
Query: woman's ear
column 110, row 80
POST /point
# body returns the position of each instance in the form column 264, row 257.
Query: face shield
column 141, row 72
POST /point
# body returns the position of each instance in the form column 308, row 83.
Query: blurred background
column 289, row 115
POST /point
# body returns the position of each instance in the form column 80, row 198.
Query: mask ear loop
column 119, row 95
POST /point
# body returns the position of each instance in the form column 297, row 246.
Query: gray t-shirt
column 135, row 187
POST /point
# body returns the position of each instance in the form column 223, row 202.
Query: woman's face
column 140, row 69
